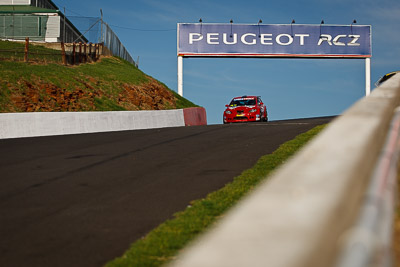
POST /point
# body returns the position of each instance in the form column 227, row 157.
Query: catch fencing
column 112, row 42
column 96, row 30
column 101, row 38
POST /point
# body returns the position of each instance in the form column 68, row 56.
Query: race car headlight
column 228, row 112
column 253, row 110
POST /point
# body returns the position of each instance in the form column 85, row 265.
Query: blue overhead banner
column 260, row 40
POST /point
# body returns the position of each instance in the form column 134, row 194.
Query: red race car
column 245, row 108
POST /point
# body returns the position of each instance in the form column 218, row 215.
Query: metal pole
column 65, row 18
column 101, row 27
column 367, row 76
column 180, row 75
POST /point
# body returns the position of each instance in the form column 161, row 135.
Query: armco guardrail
column 306, row 214
column 29, row 124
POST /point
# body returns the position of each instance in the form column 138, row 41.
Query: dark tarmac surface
column 81, row 200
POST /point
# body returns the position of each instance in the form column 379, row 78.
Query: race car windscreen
column 242, row 102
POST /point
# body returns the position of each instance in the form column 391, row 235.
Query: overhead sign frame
column 273, row 40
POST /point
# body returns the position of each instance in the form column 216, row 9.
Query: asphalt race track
column 81, row 200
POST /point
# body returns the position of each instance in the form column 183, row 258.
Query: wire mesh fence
column 92, row 29
column 97, row 31
column 112, row 42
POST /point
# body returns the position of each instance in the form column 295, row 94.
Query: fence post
column 80, row 53
column 26, row 49
column 84, row 53
column 97, row 51
column 90, row 52
column 73, row 53
column 64, row 58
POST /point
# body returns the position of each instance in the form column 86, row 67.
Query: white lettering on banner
column 336, row 40
column 302, row 37
column 354, row 41
column 234, row 36
column 278, row 39
column 267, row 39
column 327, row 38
column 243, row 39
column 192, row 39
column 212, row 38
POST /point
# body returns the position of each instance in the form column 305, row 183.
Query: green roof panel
column 24, row 9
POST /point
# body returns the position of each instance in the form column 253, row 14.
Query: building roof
column 16, row 9
column 21, row 9
column 52, row 3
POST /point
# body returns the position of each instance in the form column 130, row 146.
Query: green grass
column 107, row 79
column 109, row 71
column 183, row 102
column 163, row 243
column 115, row 69
column 16, row 51
column 105, row 104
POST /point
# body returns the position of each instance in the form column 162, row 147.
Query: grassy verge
column 163, row 243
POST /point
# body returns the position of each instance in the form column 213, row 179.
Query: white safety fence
column 330, row 205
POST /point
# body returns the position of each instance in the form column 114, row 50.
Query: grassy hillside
column 109, row 84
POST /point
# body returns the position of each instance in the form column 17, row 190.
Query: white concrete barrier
column 303, row 214
column 29, row 124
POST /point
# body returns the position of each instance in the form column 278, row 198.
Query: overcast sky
column 291, row 88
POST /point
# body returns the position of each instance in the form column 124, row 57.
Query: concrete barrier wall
column 304, row 214
column 195, row 116
column 14, row 125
